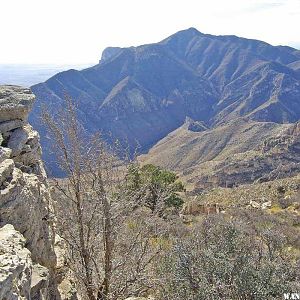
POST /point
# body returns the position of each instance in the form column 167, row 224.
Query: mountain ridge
column 143, row 93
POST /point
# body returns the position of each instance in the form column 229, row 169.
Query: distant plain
column 30, row 74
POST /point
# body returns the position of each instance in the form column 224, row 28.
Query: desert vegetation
column 240, row 257
column 121, row 227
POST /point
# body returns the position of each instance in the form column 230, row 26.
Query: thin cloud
column 257, row 7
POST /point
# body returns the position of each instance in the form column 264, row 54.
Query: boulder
column 15, row 102
column 254, row 204
column 266, row 205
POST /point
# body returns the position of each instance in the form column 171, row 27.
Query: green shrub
column 156, row 188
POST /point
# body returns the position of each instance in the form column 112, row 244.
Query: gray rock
column 39, row 282
column 254, row 204
column 17, row 140
column 266, row 205
column 15, row 102
column 25, row 146
column 16, row 265
column 10, row 125
column 25, row 202
column 6, row 169
column 195, row 126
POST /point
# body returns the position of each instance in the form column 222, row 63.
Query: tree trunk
column 84, row 252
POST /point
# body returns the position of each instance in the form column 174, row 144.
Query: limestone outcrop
column 15, row 103
column 195, row 126
column 20, row 278
column 16, row 265
column 26, row 213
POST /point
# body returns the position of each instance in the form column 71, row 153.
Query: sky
column 77, row 31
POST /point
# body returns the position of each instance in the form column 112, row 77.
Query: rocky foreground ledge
column 15, row 103
column 28, row 253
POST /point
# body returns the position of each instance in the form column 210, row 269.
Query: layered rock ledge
column 28, row 259
column 20, row 278
column 15, row 102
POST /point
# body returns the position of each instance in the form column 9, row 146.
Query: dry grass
column 260, row 192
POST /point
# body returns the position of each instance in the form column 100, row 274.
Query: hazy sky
column 76, row 31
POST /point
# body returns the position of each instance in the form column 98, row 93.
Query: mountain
column 141, row 94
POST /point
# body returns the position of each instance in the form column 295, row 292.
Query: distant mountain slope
column 140, row 94
column 232, row 154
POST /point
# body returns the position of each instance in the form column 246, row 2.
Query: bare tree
column 109, row 257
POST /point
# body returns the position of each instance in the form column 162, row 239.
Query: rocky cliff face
column 20, row 277
column 28, row 259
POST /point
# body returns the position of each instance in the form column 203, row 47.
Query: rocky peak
column 110, row 52
column 186, row 33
